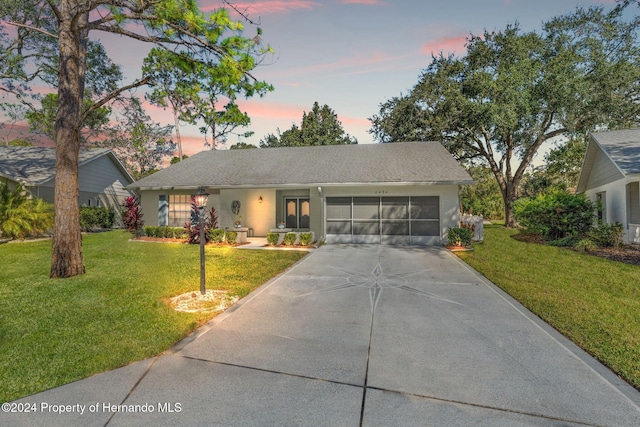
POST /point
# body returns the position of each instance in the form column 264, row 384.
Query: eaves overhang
column 296, row 185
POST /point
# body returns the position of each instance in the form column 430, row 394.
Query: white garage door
column 393, row 220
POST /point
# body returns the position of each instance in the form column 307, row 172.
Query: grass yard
column 55, row 331
column 593, row 301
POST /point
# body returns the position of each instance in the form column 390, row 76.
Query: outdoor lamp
column 201, row 198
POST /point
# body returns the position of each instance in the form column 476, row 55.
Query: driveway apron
column 365, row 335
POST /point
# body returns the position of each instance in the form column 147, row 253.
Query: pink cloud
column 453, row 44
column 266, row 7
column 271, row 110
column 192, row 144
column 364, row 2
column 354, row 121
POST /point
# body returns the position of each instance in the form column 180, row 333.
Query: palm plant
column 22, row 216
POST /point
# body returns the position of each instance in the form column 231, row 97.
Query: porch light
column 260, row 199
column 201, row 198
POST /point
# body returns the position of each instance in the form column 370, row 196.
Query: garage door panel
column 426, row 207
column 395, row 228
column 366, row 208
column 395, row 207
column 366, row 227
column 339, row 208
column 338, row 227
column 425, row 228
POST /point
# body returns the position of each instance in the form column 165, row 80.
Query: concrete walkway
column 358, row 335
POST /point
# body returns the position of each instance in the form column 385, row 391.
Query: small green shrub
column 216, row 235
column 305, row 238
column 585, row 245
column 174, row 232
column 556, row 214
column 164, row 232
column 607, row 236
column 179, row 233
column 459, row 236
column 231, row 237
column 92, row 217
column 289, row 239
column 150, row 231
column 272, row 238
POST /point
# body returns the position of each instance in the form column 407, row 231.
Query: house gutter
column 294, row 185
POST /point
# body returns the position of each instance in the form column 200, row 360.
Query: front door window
column 297, row 213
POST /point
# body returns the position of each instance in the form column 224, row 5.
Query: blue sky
column 349, row 54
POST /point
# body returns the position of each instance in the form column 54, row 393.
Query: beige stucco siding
column 261, row 209
column 258, row 215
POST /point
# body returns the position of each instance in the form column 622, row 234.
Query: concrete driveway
column 358, row 335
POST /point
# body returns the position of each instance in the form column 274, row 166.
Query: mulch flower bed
column 169, row 240
column 628, row 254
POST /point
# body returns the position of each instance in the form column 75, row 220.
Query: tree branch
column 241, row 13
column 39, row 30
column 114, row 95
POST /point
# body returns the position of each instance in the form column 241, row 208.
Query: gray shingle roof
column 37, row 165
column 623, row 147
column 403, row 162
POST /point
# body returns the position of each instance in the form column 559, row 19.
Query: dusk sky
column 349, row 54
column 355, row 54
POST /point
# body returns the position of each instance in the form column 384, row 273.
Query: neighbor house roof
column 622, row 147
column 37, row 165
column 402, row 162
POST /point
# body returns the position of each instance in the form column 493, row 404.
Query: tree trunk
column 509, row 197
column 66, row 256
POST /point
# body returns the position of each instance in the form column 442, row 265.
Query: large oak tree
column 513, row 91
column 46, row 37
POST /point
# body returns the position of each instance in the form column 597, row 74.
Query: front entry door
column 297, row 212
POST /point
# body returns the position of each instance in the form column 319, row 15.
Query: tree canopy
column 319, row 127
column 513, row 91
column 43, row 41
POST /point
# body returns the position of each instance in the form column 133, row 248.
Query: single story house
column 102, row 177
column 610, row 176
column 400, row 193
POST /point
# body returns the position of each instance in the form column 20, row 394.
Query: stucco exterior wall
column 262, row 209
column 615, row 206
column 256, row 214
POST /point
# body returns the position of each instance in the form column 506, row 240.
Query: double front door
column 297, row 212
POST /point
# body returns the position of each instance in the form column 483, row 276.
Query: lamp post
column 201, row 198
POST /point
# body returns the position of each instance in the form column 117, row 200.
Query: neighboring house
column 611, row 177
column 102, row 177
column 404, row 193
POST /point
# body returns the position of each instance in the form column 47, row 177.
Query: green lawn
column 54, row 331
column 592, row 301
